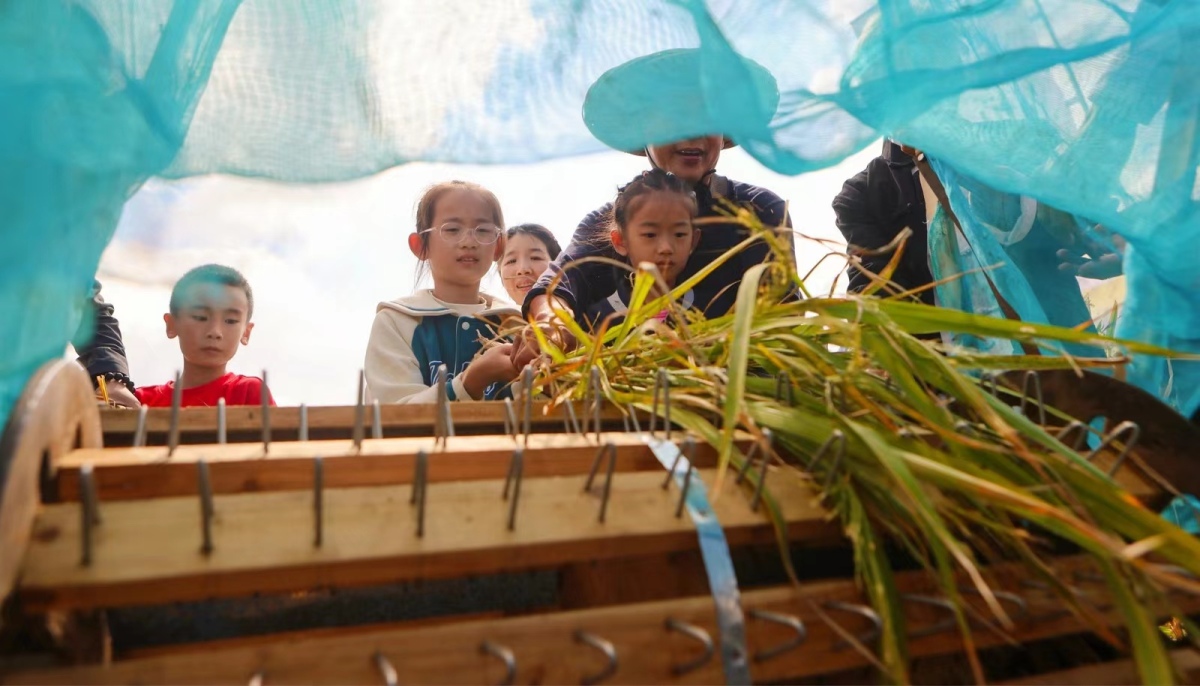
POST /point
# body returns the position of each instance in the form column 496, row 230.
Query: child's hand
column 120, row 396
column 493, row 366
column 541, row 310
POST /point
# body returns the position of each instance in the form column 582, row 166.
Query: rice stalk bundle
column 896, row 436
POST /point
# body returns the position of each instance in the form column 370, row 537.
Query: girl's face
column 525, row 258
column 659, row 230
column 462, row 242
column 690, row 159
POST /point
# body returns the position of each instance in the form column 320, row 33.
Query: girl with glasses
column 458, row 238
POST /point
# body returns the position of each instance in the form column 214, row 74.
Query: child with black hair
column 210, row 312
column 651, row 222
column 459, row 237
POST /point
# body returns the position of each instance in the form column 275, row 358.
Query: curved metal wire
column 504, row 655
column 610, row 653
column 780, row 648
column 697, row 634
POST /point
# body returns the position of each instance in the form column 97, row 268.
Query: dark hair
column 539, row 232
column 427, row 207
column 648, row 182
column 212, row 274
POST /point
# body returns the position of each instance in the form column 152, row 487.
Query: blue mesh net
column 1087, row 106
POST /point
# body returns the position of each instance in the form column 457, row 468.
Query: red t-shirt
column 234, row 388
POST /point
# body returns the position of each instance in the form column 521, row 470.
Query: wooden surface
column 1120, row 672
column 545, row 651
column 244, row 423
column 149, row 551
column 55, row 413
column 136, row 473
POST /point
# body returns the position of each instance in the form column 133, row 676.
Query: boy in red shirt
column 210, row 314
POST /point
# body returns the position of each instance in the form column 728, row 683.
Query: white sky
column 320, row 258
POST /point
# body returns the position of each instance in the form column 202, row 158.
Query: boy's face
column 210, row 323
column 660, row 231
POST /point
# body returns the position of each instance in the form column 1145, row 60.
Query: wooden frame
column 546, row 651
column 148, row 551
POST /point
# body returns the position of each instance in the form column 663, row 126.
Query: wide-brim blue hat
column 659, row 98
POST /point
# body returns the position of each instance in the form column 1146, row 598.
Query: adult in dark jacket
column 874, row 206
column 671, row 79
column 104, row 353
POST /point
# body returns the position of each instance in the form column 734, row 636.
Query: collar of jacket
column 422, row 304
column 707, row 193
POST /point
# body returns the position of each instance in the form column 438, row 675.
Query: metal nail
column 139, row 434
column 173, row 430
column 697, row 634
column 610, row 653
column 769, row 439
column 1012, row 598
column 318, row 501
column 637, row 425
column 836, row 437
column 89, row 511
column 1032, row 379
column 359, row 413
column 206, row 506
column 266, row 413
column 445, row 423
column 571, row 422
column 786, row 620
column 609, row 448
column 940, row 627
column 390, row 677
column 510, row 419
column 675, row 463
column 222, row 423
column 516, row 470
column 783, row 386
column 1076, row 428
column 608, row 477
column 746, row 462
column 528, row 418
column 376, row 420
column 662, row 384
column 419, row 488
column 504, row 655
column 302, row 432
column 862, row 611
column 594, row 392
column 988, row 381
column 1134, row 431
column 683, row 494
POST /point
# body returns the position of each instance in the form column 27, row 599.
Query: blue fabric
column 1090, row 106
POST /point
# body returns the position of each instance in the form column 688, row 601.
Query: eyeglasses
column 484, row 234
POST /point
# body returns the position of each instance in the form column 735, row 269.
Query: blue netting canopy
column 1090, row 107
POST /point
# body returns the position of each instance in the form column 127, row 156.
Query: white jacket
column 414, row 335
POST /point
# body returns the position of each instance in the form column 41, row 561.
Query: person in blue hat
column 656, row 98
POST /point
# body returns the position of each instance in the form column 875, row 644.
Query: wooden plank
column 244, row 423
column 1115, row 673
column 138, row 473
column 149, row 551
column 55, row 413
column 546, row 652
